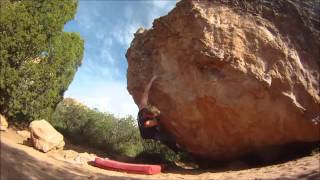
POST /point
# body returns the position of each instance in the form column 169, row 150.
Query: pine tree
column 38, row 60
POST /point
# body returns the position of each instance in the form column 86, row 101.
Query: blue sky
column 107, row 26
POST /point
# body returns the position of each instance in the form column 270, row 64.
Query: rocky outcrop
column 3, row 123
column 235, row 76
column 72, row 102
column 44, row 137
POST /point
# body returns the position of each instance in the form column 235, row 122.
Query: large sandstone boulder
column 3, row 123
column 235, row 76
column 44, row 137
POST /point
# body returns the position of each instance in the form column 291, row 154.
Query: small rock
column 3, row 123
column 84, row 158
column 44, row 137
column 24, row 133
column 186, row 165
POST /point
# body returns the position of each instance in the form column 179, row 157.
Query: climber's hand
column 150, row 123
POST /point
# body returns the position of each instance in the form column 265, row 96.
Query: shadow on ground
column 18, row 165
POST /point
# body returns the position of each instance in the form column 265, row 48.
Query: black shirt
column 146, row 132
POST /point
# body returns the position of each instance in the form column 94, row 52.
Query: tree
column 38, row 60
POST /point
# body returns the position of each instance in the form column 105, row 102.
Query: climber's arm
column 151, row 123
column 144, row 99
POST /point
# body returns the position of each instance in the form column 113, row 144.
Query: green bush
column 104, row 131
column 37, row 59
column 155, row 147
column 100, row 130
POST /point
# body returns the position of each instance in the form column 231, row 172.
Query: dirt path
column 21, row 162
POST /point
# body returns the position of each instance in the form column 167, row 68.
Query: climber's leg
column 167, row 140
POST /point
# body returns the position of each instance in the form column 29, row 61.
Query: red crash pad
column 127, row 167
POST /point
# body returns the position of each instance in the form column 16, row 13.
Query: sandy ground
column 22, row 162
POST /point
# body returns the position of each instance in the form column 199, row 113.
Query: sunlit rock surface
column 234, row 76
column 44, row 137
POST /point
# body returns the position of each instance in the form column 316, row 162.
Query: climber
column 148, row 121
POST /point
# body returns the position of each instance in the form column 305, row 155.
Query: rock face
column 44, row 137
column 235, row 76
column 3, row 123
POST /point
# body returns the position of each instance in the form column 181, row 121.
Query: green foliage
column 104, row 131
column 38, row 60
column 100, row 130
column 155, row 147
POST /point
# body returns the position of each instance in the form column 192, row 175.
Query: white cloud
column 107, row 42
column 162, row 4
column 93, row 69
column 99, row 35
column 101, row 25
column 105, row 51
column 159, row 8
column 84, row 16
column 105, row 55
column 109, row 96
column 124, row 33
column 128, row 12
